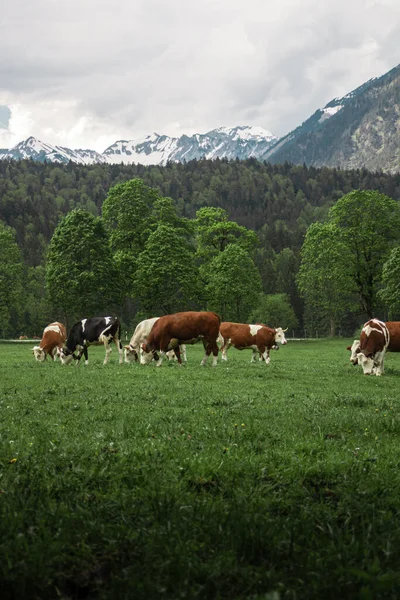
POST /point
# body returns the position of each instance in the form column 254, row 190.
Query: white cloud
column 86, row 73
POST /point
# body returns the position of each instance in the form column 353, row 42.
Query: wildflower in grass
column 13, row 460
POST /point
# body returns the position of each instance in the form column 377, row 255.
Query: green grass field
column 243, row 481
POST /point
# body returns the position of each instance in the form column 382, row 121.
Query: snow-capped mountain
column 40, row 151
column 236, row 142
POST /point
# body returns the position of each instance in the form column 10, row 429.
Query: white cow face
column 65, row 358
column 39, row 353
column 367, row 363
column 130, row 354
column 145, row 357
column 280, row 336
column 355, row 352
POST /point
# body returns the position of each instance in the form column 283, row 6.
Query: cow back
column 374, row 337
column 394, row 332
column 91, row 331
column 185, row 326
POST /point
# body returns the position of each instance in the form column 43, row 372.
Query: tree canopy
column 11, row 270
column 369, row 225
column 167, row 278
column 233, row 285
column 325, row 277
column 81, row 274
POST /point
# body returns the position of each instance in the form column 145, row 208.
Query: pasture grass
column 242, row 481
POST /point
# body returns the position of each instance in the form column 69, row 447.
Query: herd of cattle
column 159, row 336
column 169, row 335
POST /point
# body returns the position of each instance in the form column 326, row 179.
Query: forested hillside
column 278, row 202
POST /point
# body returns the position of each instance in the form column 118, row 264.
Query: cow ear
column 348, row 347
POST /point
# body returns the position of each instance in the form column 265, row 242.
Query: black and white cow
column 97, row 330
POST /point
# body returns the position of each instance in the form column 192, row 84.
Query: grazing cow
column 182, row 328
column 139, row 337
column 23, row 337
column 54, row 336
column 97, row 330
column 393, row 329
column 373, row 343
column 260, row 338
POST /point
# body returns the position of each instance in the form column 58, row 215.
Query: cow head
column 66, row 356
column 130, row 354
column 355, row 352
column 367, row 363
column 39, row 353
column 280, row 335
column 146, row 354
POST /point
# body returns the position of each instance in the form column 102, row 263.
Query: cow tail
column 119, row 333
column 218, row 317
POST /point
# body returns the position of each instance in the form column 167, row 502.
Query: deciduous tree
column 167, row 278
column 390, row 292
column 11, row 270
column 369, row 225
column 234, row 284
column 82, row 277
column 274, row 310
column 325, row 278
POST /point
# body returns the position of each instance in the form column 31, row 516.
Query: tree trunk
column 332, row 327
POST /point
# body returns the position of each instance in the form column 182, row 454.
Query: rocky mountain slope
column 362, row 129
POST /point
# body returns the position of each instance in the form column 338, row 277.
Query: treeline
column 278, row 202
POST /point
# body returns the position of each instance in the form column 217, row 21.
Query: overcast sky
column 85, row 73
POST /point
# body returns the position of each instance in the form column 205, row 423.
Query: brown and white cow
column 370, row 351
column 182, row 328
column 259, row 338
column 359, row 346
column 54, row 336
column 139, row 336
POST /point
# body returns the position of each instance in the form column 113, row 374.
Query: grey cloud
column 5, row 114
column 148, row 65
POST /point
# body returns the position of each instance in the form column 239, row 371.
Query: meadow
column 242, row 481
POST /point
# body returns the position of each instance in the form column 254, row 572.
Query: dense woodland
column 278, row 202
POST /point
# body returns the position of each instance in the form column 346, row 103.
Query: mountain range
column 362, row 129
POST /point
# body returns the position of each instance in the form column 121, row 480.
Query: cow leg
column 253, row 355
column 78, row 358
column 177, row 351
column 108, row 350
column 265, row 354
column 119, row 348
column 211, row 347
column 225, row 348
column 160, row 358
column 378, row 360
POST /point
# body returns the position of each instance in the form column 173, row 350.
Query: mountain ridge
column 361, row 129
